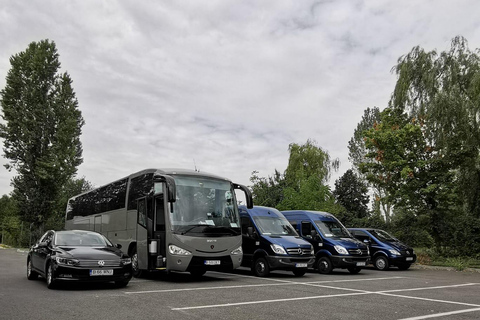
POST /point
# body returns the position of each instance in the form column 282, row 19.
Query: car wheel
column 354, row 270
column 260, row 267
column 381, row 263
column 197, row 273
column 299, row 273
column 404, row 266
column 31, row 275
column 324, row 265
column 122, row 283
column 51, row 283
column 135, row 269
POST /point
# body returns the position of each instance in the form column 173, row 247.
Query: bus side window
column 142, row 213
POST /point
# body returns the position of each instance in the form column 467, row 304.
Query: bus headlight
column 237, row 251
column 178, row 251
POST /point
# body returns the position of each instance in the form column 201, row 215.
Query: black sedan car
column 78, row 255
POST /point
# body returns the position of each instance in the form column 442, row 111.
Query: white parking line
column 283, row 283
column 436, row 315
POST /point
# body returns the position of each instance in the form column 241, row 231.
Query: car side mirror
column 118, row 246
column 43, row 245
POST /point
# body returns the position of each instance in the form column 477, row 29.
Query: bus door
column 159, row 231
column 142, row 234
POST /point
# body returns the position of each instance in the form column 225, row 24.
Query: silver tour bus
column 166, row 219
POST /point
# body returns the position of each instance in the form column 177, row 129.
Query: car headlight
column 341, row 250
column 237, row 251
column 125, row 261
column 66, row 261
column 394, row 252
column 278, row 249
column 178, row 251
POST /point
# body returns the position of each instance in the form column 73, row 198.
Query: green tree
column 41, row 131
column 352, row 194
column 267, row 192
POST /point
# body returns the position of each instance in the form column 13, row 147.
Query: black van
column 269, row 242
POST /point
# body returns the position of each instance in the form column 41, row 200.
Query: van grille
column 358, row 252
column 299, row 251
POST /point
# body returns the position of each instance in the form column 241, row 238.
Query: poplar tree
column 41, row 129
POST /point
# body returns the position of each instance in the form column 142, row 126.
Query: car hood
column 348, row 243
column 91, row 253
column 288, row 241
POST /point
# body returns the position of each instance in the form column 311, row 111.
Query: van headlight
column 178, row 251
column 394, row 252
column 278, row 249
column 341, row 250
column 237, row 251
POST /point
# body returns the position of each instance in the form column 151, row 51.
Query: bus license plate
column 300, row 265
column 102, row 272
column 212, row 262
column 409, row 259
column 361, row 264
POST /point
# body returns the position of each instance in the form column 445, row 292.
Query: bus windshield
column 332, row 229
column 204, row 206
column 273, row 226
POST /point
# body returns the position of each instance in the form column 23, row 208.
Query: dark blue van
column 385, row 250
column 334, row 246
column 269, row 242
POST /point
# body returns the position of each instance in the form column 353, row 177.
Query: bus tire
column 137, row 273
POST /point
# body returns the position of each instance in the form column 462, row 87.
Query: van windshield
column 382, row 235
column 332, row 229
column 274, row 226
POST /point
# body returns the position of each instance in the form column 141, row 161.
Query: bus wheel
column 260, row 267
column 135, row 270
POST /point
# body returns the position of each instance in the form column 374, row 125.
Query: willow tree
column 41, row 130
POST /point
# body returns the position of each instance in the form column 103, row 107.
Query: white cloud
column 226, row 84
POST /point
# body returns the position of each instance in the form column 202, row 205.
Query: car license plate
column 212, row 262
column 301, row 265
column 361, row 264
column 101, row 272
column 409, row 259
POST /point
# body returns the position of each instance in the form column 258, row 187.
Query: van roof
column 261, row 211
column 312, row 215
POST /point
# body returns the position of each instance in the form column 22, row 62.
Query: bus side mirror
column 248, row 194
column 171, row 186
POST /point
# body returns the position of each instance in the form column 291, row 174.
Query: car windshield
column 204, row 206
column 86, row 239
column 274, row 226
column 382, row 235
column 332, row 229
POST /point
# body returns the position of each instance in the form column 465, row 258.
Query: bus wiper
column 230, row 229
column 193, row 227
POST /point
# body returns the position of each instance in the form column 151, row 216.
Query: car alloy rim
column 29, row 267
column 135, row 262
column 380, row 263
column 49, row 275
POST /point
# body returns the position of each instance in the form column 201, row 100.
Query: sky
column 225, row 86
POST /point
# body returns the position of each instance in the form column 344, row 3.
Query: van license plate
column 212, row 262
column 301, row 265
column 361, row 264
column 409, row 259
column 102, row 272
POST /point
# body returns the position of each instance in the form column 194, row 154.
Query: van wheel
column 260, row 267
column 299, row 273
column 381, row 263
column 135, row 269
column 324, row 265
column 354, row 270
column 404, row 266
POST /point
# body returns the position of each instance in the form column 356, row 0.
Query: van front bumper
column 349, row 261
column 290, row 263
column 396, row 260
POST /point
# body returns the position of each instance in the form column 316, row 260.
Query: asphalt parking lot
column 413, row 294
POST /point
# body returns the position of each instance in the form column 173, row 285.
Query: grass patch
column 427, row 256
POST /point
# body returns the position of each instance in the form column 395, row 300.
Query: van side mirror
column 250, row 232
column 366, row 241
